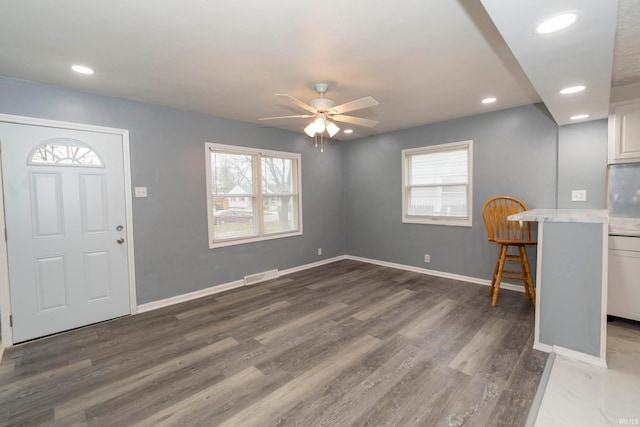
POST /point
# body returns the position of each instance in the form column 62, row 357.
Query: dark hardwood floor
column 343, row 344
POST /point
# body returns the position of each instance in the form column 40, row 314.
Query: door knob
column 120, row 240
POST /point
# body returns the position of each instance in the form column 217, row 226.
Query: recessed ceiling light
column 579, row 116
column 348, row 131
column 572, row 89
column 82, row 69
column 556, row 23
column 490, row 100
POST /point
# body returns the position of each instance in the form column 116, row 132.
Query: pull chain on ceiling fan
column 324, row 110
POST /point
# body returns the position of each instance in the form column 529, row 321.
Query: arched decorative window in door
column 65, row 151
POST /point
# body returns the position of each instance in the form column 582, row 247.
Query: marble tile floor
column 580, row 394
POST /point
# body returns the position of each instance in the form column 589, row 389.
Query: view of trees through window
column 253, row 194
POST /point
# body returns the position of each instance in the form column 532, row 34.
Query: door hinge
column 11, row 320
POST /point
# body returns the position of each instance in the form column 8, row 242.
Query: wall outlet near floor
column 319, row 251
column 427, row 258
column 578, row 195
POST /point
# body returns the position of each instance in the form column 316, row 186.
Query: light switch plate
column 578, row 195
column 141, row 191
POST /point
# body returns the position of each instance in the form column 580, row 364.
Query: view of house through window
column 437, row 184
column 254, row 194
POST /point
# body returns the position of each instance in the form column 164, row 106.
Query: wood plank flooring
column 343, row 344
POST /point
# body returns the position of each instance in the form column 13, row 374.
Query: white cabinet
column 623, row 298
column 624, row 133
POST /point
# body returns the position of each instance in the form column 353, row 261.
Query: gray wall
column 351, row 192
column 571, row 294
column 582, row 164
column 167, row 156
column 514, row 153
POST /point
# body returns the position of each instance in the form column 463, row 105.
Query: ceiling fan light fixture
column 332, row 128
column 319, row 124
column 310, row 129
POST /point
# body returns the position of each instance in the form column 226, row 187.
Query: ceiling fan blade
column 298, row 103
column 299, row 116
column 358, row 104
column 355, row 120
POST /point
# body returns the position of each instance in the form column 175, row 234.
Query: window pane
column 232, row 174
column 233, row 217
column 67, row 152
column 447, row 201
column 277, row 175
column 280, row 214
column 447, row 167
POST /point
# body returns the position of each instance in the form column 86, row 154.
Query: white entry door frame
column 5, row 295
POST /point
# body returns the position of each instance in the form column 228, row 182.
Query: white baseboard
column 312, row 265
column 154, row 305
column 580, row 356
column 543, row 347
column 571, row 354
column 239, row 283
column 436, row 273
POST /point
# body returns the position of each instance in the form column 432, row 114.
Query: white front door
column 64, row 198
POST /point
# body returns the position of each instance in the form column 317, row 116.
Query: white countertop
column 563, row 215
column 624, row 226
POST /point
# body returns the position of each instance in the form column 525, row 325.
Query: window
column 437, row 184
column 252, row 194
column 69, row 152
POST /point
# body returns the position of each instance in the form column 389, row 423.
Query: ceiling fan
column 324, row 110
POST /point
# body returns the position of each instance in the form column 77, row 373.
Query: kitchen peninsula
column 571, row 282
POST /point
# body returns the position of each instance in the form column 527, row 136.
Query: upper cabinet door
column 624, row 133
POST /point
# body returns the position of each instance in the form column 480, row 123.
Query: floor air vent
column 252, row 279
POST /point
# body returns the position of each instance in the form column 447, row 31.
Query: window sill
column 225, row 243
column 466, row 222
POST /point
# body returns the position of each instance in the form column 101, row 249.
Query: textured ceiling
column 424, row 60
column 626, row 60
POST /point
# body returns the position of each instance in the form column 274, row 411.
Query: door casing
column 5, row 296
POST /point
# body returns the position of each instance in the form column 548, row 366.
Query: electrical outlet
column 140, row 191
column 579, row 195
column 427, row 258
column 319, row 251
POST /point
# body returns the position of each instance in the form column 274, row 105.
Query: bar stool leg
column 495, row 274
column 501, row 260
column 532, row 288
column 522, row 256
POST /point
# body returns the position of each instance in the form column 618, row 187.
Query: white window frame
column 406, row 188
column 257, row 155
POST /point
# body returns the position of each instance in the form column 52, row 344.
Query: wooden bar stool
column 509, row 233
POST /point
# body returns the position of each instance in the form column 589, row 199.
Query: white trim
column 536, row 329
column 436, row 273
column 5, row 300
column 5, row 291
column 605, row 293
column 571, row 354
column 216, row 289
column 580, row 356
column 439, row 220
column 255, row 153
column 543, row 347
column 312, row 265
